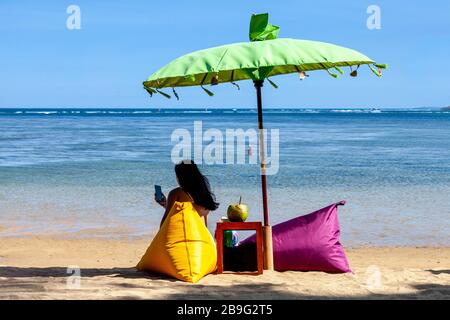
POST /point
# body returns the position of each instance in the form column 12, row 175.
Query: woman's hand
column 163, row 202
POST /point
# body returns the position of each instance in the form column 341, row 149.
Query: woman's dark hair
column 195, row 184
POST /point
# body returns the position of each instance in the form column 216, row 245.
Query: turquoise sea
column 90, row 172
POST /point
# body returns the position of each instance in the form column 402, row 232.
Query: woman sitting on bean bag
column 183, row 247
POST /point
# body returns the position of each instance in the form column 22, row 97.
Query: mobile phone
column 158, row 193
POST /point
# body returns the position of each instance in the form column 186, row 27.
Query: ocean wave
column 101, row 112
column 373, row 110
column 40, row 112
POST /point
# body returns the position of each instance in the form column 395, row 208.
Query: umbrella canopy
column 253, row 61
column 264, row 56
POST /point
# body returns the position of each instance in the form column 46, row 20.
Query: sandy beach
column 309, row 132
column 36, row 268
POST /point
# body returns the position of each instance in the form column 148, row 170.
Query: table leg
column 219, row 242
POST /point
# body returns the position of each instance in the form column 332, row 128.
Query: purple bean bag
column 308, row 243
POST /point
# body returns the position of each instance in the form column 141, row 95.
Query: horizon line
column 218, row 108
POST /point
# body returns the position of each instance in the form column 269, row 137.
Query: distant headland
column 445, row 108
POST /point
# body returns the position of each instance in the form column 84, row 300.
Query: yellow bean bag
column 183, row 248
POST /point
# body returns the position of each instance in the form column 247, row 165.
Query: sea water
column 91, row 172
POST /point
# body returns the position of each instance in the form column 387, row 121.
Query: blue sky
column 43, row 64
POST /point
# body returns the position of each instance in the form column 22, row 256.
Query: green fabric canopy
column 253, row 60
column 263, row 57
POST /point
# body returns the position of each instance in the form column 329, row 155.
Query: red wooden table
column 222, row 226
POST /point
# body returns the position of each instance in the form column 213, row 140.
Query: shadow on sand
column 438, row 272
column 128, row 273
column 15, row 279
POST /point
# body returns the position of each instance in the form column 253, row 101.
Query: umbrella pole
column 267, row 229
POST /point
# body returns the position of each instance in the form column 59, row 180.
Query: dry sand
column 36, row 268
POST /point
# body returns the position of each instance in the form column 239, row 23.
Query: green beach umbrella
column 263, row 57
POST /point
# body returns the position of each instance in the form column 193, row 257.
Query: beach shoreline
column 42, row 267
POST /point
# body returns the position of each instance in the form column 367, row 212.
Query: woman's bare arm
column 203, row 212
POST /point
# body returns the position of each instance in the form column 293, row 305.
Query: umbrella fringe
column 210, row 93
column 163, row 94
column 232, row 81
column 354, row 73
column 334, row 75
column 175, row 94
column 236, row 85
column 215, row 80
column 376, row 72
column 150, row 91
column 339, row 70
column 301, row 74
column 381, row 65
column 273, row 84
